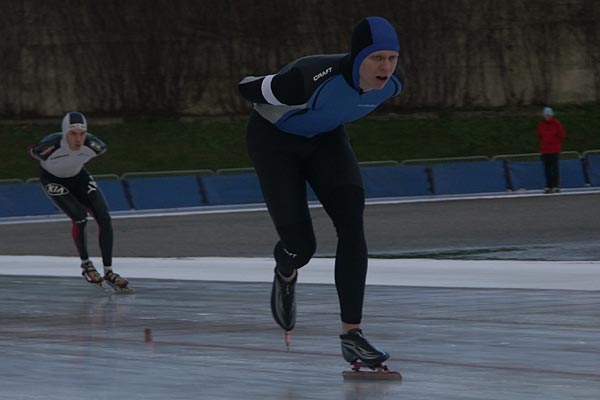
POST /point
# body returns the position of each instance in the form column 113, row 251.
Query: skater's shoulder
column 95, row 143
column 315, row 69
column 316, row 61
column 46, row 147
column 304, row 76
column 53, row 138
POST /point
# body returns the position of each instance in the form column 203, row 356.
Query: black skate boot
column 116, row 281
column 90, row 274
column 283, row 301
column 355, row 348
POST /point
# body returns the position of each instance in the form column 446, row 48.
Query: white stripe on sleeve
column 267, row 92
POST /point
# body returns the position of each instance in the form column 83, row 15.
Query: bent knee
column 297, row 245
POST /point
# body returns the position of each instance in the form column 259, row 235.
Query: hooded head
column 370, row 35
column 73, row 120
column 548, row 112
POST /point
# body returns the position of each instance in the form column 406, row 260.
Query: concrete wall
column 186, row 57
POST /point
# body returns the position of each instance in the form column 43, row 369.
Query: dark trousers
column 76, row 196
column 551, row 169
column 285, row 163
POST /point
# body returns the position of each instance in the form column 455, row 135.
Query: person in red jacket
column 551, row 135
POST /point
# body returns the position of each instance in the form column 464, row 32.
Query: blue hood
column 370, row 35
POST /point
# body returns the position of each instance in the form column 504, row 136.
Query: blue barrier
column 114, row 192
column 572, row 174
column 397, row 181
column 593, row 163
column 21, row 199
column 529, row 175
column 468, row 177
column 228, row 189
column 526, row 175
column 164, row 192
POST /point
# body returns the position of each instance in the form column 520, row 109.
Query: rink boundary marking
column 462, row 274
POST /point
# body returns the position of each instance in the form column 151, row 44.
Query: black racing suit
column 75, row 191
column 296, row 135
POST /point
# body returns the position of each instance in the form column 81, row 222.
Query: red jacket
column 551, row 134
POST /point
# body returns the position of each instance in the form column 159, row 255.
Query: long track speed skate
column 117, row 283
column 283, row 304
column 361, row 354
column 380, row 372
column 92, row 276
column 111, row 283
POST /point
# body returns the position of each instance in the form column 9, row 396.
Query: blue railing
column 382, row 179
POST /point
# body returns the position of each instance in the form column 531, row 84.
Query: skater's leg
column 345, row 207
column 98, row 208
column 337, row 182
column 79, row 236
column 293, row 251
column 61, row 193
column 295, row 248
column 279, row 167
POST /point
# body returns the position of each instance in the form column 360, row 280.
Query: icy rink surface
column 201, row 328
column 455, row 329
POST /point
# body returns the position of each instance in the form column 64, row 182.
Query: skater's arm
column 283, row 88
column 48, row 145
column 94, row 143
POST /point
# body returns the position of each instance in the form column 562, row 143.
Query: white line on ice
column 567, row 275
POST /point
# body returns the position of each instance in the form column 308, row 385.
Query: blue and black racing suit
column 296, row 135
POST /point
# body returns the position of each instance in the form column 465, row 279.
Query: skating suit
column 314, row 95
column 72, row 189
column 296, row 135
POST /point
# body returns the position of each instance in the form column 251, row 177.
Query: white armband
column 267, row 92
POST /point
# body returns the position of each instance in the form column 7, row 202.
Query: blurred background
column 158, row 79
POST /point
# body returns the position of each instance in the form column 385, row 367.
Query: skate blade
column 107, row 288
column 101, row 287
column 372, row 375
column 117, row 290
column 124, row 291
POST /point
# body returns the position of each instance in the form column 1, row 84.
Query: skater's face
column 376, row 69
column 76, row 138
